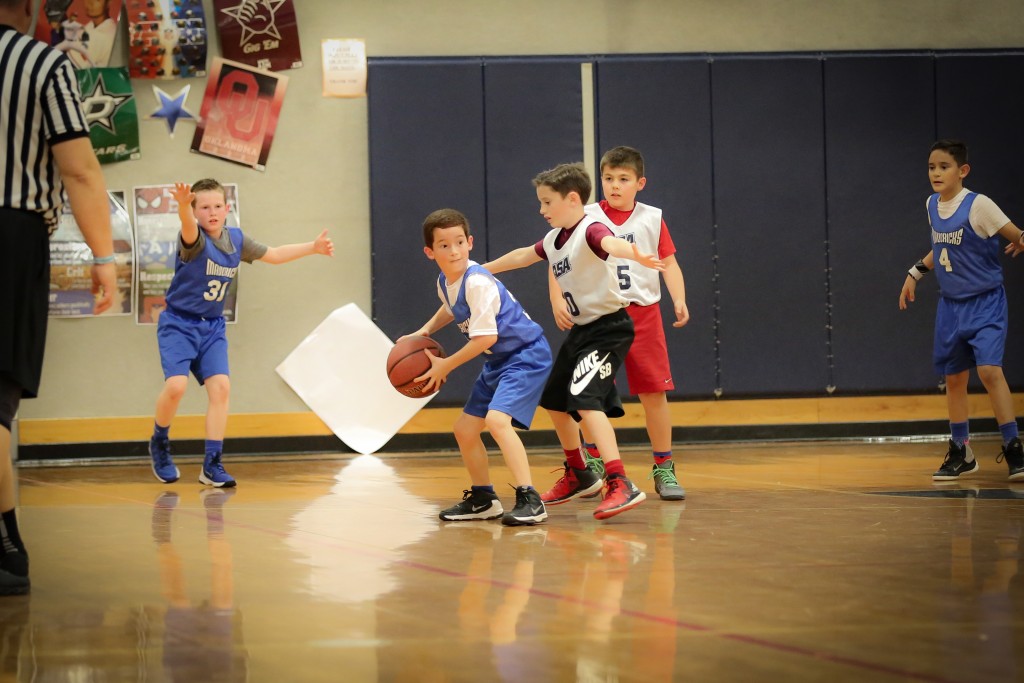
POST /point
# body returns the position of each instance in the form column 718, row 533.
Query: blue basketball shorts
column 512, row 385
column 970, row 332
column 189, row 344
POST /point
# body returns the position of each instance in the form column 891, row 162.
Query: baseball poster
column 156, row 232
column 83, row 29
column 239, row 113
column 71, row 264
column 260, row 33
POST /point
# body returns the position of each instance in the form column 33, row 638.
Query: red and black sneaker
column 620, row 495
column 584, row 483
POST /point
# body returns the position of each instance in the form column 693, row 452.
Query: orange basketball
column 407, row 361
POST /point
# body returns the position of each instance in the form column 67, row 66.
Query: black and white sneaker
column 1013, row 453
column 959, row 461
column 474, row 505
column 529, row 509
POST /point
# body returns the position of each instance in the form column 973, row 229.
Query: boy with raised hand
column 971, row 319
column 505, row 394
column 584, row 257
column 191, row 333
column 647, row 364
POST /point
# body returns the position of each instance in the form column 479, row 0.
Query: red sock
column 574, row 457
column 592, row 450
column 614, row 467
column 661, row 457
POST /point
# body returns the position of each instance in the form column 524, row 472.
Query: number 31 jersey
column 201, row 283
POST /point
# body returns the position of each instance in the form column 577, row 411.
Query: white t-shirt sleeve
column 986, row 218
column 484, row 301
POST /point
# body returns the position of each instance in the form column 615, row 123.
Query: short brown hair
column 207, row 185
column 624, row 157
column 953, row 148
column 566, row 178
column 443, row 218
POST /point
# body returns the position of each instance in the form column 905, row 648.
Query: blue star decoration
column 171, row 108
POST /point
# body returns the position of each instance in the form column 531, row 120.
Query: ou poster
column 261, row 33
column 156, row 233
column 239, row 113
column 83, row 29
column 71, row 264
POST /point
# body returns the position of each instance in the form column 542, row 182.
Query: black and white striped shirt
column 40, row 106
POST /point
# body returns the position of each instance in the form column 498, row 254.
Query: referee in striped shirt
column 44, row 150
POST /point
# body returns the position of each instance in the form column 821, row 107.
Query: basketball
column 407, row 361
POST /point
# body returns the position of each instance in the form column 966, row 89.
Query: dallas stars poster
column 110, row 111
column 239, row 113
column 261, row 33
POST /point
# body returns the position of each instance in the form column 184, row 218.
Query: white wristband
column 917, row 270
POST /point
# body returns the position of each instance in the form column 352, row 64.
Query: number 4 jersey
column 966, row 256
column 204, row 271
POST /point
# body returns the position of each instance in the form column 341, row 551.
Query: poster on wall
column 84, row 29
column 166, row 38
column 156, row 232
column 71, row 264
column 344, row 67
column 110, row 111
column 260, row 33
column 239, row 113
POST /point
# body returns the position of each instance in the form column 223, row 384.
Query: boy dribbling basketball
column 506, row 393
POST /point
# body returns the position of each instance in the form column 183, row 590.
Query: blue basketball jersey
column 515, row 328
column 200, row 285
column 965, row 264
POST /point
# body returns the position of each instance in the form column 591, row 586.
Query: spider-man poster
column 260, row 33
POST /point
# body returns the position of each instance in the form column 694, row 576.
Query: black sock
column 10, row 539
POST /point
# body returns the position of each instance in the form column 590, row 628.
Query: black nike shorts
column 24, row 297
column 583, row 376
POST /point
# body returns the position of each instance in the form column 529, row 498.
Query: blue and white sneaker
column 163, row 464
column 213, row 473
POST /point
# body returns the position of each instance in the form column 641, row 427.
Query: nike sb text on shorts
column 583, row 376
column 647, row 367
column 970, row 332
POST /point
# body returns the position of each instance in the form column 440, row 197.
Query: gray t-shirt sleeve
column 252, row 250
column 187, row 253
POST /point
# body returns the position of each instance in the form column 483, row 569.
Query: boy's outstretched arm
column 517, row 258
column 620, row 248
column 289, row 252
column 910, row 284
column 676, row 286
column 1016, row 238
column 182, row 194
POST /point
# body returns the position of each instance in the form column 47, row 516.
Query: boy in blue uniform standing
column 506, row 393
column 971, row 320
column 191, row 333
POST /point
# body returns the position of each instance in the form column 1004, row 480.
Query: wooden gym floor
column 837, row 561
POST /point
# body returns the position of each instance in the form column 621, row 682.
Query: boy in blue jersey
column 506, row 393
column 190, row 332
column 971, row 320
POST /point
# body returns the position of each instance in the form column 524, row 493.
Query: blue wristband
column 100, row 260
